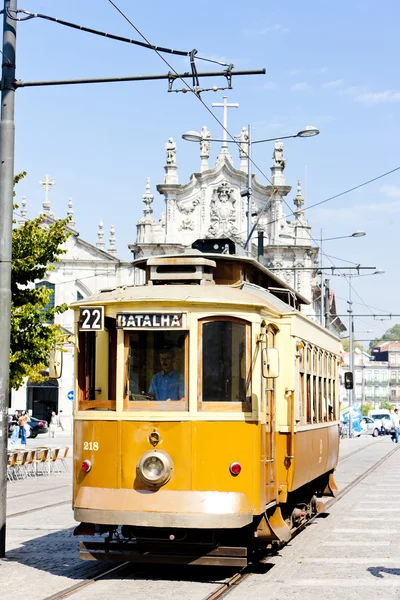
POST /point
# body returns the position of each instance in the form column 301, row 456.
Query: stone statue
column 170, row 147
column 205, row 143
column 223, row 213
column 279, row 161
column 243, row 143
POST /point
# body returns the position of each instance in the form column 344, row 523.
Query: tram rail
column 238, row 577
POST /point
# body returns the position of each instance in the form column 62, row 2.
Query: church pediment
column 79, row 250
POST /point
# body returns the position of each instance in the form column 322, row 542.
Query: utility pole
column 7, row 136
column 351, row 357
column 249, row 190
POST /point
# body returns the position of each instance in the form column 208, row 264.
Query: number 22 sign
column 91, row 318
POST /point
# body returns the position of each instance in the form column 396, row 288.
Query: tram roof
column 141, row 263
column 244, row 294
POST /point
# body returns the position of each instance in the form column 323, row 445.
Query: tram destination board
column 91, row 318
column 151, row 320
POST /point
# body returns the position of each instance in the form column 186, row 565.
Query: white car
column 370, row 426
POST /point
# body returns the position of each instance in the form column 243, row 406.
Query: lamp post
column 323, row 319
column 351, row 345
column 194, row 136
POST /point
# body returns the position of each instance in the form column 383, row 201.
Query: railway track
column 231, row 582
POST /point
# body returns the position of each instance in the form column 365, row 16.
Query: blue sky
column 333, row 65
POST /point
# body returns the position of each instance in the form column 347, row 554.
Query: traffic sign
column 70, row 395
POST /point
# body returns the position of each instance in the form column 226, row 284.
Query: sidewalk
column 42, row 553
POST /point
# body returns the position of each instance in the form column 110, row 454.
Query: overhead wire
column 196, row 93
column 112, row 36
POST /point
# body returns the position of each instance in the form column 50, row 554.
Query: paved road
column 350, row 553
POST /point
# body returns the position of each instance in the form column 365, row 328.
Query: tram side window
column 156, row 370
column 224, row 364
column 97, row 368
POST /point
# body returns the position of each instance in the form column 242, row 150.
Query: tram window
column 224, row 364
column 156, row 370
column 97, row 368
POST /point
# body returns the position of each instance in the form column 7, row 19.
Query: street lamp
column 194, row 136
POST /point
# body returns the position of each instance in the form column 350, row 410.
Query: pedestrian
column 61, row 426
column 53, row 425
column 15, row 428
column 22, row 422
column 395, row 426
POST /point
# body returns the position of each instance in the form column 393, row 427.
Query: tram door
column 268, row 391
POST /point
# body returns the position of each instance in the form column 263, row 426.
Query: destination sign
column 150, row 320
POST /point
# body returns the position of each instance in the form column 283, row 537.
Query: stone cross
column 47, row 183
column 225, row 105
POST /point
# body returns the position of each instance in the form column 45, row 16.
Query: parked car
column 37, row 426
column 370, row 426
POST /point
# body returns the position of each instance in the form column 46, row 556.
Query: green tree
column 367, row 406
column 392, row 334
column 386, row 405
column 35, row 247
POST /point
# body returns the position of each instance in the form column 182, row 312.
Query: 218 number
column 90, row 445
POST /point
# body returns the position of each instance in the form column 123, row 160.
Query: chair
column 20, row 464
column 12, row 458
column 41, row 459
column 30, row 463
column 63, row 458
column 52, row 460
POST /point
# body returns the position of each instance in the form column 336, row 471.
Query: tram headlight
column 155, row 467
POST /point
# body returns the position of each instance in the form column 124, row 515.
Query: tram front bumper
column 163, row 508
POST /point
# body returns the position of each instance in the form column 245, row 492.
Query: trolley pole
column 7, row 136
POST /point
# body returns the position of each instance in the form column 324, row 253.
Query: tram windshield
column 156, row 370
column 225, row 376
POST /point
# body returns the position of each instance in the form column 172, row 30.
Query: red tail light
column 86, row 466
column 235, row 468
column 41, row 424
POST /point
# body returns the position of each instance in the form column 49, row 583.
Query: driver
column 168, row 384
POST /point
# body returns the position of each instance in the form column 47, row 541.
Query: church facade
column 214, row 204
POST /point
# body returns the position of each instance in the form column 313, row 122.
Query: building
column 390, row 352
column 371, row 379
column 213, row 204
column 83, row 270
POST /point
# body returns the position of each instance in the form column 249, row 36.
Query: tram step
column 150, row 553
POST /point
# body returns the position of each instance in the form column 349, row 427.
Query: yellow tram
column 206, row 413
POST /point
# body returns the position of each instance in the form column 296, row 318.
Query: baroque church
column 212, row 204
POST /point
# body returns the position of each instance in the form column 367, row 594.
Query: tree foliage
column 366, row 407
column 346, row 345
column 392, row 334
column 36, row 245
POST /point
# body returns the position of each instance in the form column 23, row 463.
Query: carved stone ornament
column 186, row 225
column 187, row 209
column 223, row 212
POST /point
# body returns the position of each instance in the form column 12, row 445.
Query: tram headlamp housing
column 155, row 468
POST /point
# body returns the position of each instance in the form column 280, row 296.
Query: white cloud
column 321, row 70
column 337, row 83
column 391, row 191
column 369, row 211
column 301, row 86
column 276, row 28
column 363, row 95
column 378, row 97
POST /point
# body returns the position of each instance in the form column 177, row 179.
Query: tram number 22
column 90, row 445
column 91, row 318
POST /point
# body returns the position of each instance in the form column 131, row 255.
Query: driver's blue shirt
column 169, row 386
